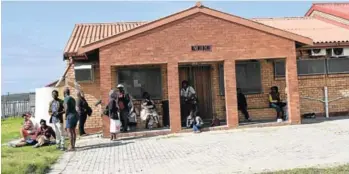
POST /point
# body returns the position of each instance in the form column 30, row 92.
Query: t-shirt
column 54, row 108
column 69, row 102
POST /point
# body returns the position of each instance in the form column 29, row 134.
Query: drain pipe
column 65, row 72
column 326, row 102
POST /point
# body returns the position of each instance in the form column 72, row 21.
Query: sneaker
column 279, row 120
column 36, row 146
column 12, row 145
column 62, row 149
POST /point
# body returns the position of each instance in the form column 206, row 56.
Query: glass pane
column 279, row 68
column 83, row 75
column 307, row 67
column 248, row 77
column 221, row 79
column 137, row 81
column 338, row 65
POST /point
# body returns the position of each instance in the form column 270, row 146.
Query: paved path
column 234, row 151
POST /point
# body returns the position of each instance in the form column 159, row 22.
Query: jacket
column 60, row 110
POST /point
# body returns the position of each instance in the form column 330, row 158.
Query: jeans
column 58, row 128
column 196, row 127
column 82, row 121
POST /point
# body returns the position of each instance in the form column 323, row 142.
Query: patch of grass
column 342, row 169
column 24, row 159
column 10, row 129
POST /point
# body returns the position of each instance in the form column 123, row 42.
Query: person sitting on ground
column 115, row 123
column 275, row 102
column 242, row 104
column 148, row 112
column 198, row 123
column 44, row 134
column 27, row 132
column 28, row 127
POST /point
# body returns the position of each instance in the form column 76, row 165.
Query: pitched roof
column 194, row 10
column 337, row 9
column 318, row 30
column 87, row 33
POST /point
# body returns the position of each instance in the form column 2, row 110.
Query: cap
column 120, row 86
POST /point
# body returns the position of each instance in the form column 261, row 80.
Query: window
column 248, row 77
column 311, row 66
column 279, row 68
column 221, row 79
column 338, row 65
column 83, row 72
column 139, row 80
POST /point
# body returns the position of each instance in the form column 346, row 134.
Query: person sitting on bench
column 275, row 102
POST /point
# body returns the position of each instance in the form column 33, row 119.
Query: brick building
column 217, row 52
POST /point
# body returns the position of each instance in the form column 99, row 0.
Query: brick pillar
column 230, row 94
column 173, row 96
column 105, row 87
column 292, row 90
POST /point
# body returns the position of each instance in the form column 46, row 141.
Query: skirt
column 115, row 126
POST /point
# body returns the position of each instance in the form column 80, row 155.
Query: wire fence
column 15, row 108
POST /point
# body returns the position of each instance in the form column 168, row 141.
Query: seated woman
column 44, row 134
column 27, row 132
column 275, row 102
column 148, row 112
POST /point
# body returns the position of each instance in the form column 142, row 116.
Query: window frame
column 260, row 74
column 312, row 74
column 279, row 76
column 92, row 73
column 140, row 69
column 328, row 69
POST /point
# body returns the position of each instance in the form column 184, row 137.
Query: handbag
column 89, row 110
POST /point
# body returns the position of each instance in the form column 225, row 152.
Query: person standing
column 56, row 111
column 115, row 123
column 81, row 108
column 242, row 104
column 125, row 106
column 71, row 117
column 188, row 99
column 43, row 134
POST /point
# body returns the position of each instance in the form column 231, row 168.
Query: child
column 198, row 123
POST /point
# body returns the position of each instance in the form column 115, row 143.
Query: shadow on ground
column 323, row 119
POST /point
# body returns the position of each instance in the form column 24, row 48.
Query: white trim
column 83, row 66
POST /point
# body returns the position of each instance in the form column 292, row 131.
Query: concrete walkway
column 250, row 150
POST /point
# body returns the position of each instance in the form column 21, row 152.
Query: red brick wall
column 92, row 95
column 170, row 44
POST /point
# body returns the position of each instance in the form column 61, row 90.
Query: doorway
column 199, row 77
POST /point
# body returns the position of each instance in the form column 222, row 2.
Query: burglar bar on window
column 201, row 48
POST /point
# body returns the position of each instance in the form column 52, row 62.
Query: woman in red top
column 28, row 128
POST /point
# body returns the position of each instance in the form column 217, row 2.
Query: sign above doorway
column 201, row 48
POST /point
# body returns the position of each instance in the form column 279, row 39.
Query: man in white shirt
column 187, row 91
column 188, row 102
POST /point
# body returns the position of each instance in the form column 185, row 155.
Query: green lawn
column 343, row 169
column 24, row 160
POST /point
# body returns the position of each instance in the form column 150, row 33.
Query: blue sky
column 34, row 34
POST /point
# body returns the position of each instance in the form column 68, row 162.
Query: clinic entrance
column 199, row 77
